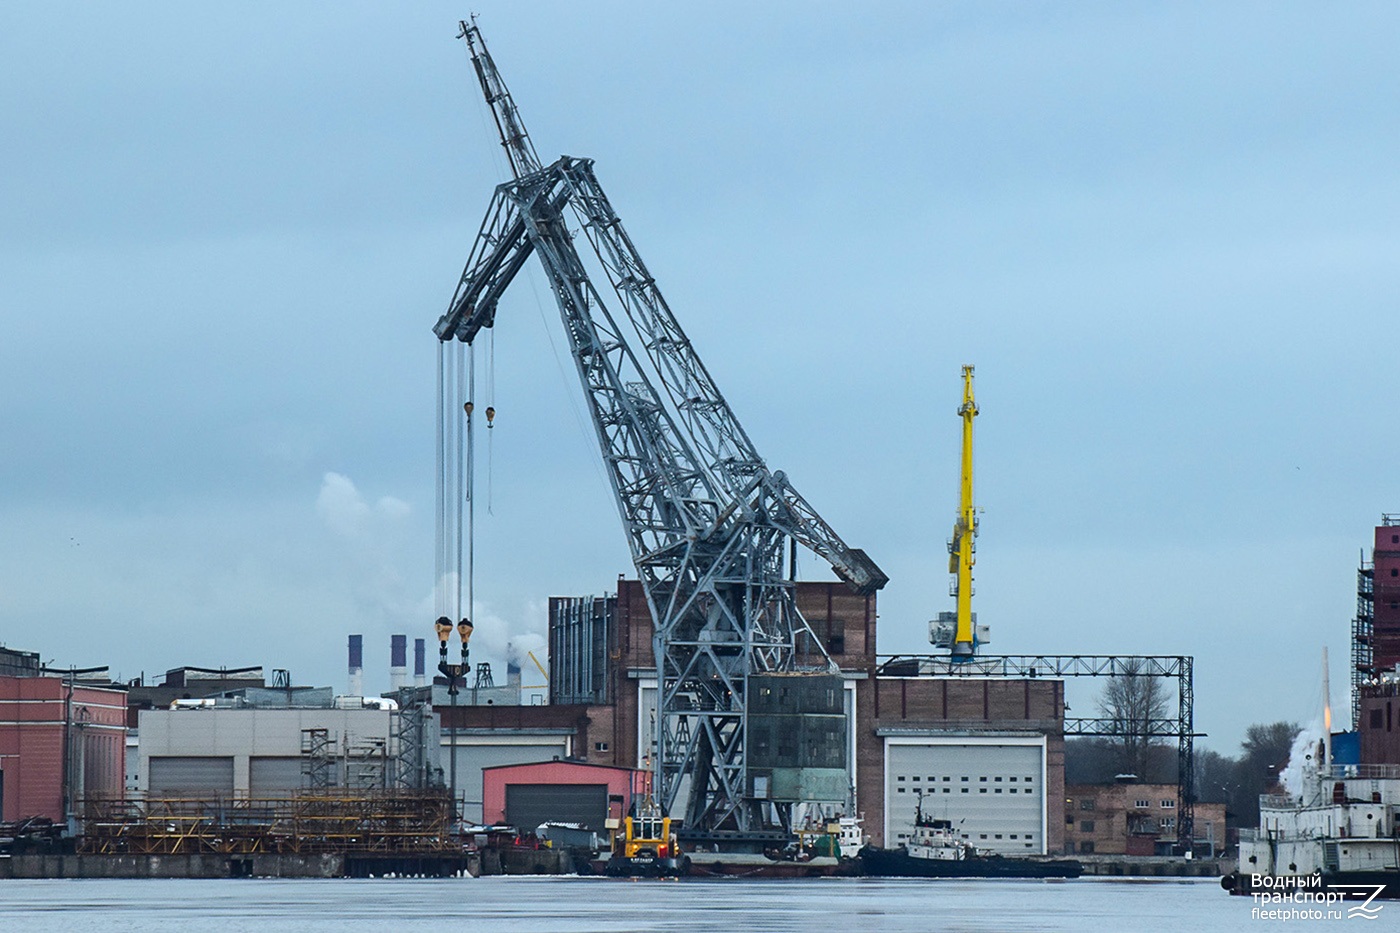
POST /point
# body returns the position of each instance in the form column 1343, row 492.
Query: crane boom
column 960, row 549
column 707, row 522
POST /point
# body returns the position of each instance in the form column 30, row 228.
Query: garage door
column 991, row 792
column 529, row 805
column 190, row 777
column 270, row 776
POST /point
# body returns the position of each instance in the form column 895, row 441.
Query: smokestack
column 357, row 665
column 513, row 674
column 419, row 665
column 398, row 662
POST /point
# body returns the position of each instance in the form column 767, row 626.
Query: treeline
column 1236, row 782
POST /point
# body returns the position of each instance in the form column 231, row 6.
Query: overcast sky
column 1166, row 235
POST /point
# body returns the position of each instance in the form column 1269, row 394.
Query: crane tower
column 707, row 522
column 958, row 630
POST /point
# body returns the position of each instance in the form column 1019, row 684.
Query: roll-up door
column 274, row 776
column 529, row 805
column 992, row 793
column 190, row 777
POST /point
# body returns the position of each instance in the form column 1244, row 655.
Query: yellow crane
column 960, row 548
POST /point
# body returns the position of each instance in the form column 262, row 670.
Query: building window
column 1395, row 572
column 901, row 790
column 997, row 779
column 1086, row 803
column 1169, row 823
column 947, row 790
column 1028, row 780
column 946, row 778
column 1013, row 780
column 981, row 790
column 1086, row 826
column 964, row 777
column 984, row 836
column 964, row 790
column 1142, row 804
column 1087, row 847
column 998, row 835
column 932, row 778
column 998, row 790
column 1168, row 804
column 900, row 778
column 983, row 779
column 1395, row 539
column 1013, row 790
column 600, row 746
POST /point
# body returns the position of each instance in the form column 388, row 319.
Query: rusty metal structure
column 350, row 822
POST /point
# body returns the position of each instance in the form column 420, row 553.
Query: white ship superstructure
column 1342, row 823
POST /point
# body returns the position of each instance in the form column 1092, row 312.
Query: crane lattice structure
column 708, row 523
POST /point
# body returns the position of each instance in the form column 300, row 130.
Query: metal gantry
column 708, row 523
column 1171, row 667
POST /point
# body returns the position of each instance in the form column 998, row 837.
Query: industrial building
column 1129, row 817
column 1375, row 633
column 62, row 738
column 587, row 795
column 988, row 750
column 227, row 751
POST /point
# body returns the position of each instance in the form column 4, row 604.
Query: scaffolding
column 317, row 760
column 1363, row 666
column 413, row 736
column 346, row 822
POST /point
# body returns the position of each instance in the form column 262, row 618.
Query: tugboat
column 645, row 846
column 934, row 850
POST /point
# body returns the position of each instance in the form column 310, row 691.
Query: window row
column 966, row 790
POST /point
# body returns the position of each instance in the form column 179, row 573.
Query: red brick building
column 59, row 742
column 1385, row 562
column 1133, row 818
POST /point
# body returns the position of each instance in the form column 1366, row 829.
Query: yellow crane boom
column 960, row 548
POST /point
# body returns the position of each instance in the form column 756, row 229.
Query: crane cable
column 440, row 531
column 490, row 417
column 470, row 487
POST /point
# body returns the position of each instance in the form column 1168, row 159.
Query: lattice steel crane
column 708, row 523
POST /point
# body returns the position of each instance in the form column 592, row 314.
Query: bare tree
column 1134, row 704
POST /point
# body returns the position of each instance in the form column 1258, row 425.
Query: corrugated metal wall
column 190, row 777
column 273, row 776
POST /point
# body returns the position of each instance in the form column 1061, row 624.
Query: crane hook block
column 468, row 407
column 490, row 415
column 464, row 629
column 444, row 630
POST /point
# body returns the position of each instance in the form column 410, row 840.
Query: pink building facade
column 57, row 746
column 568, row 791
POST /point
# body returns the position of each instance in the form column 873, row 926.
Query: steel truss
column 1022, row 667
column 707, row 522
